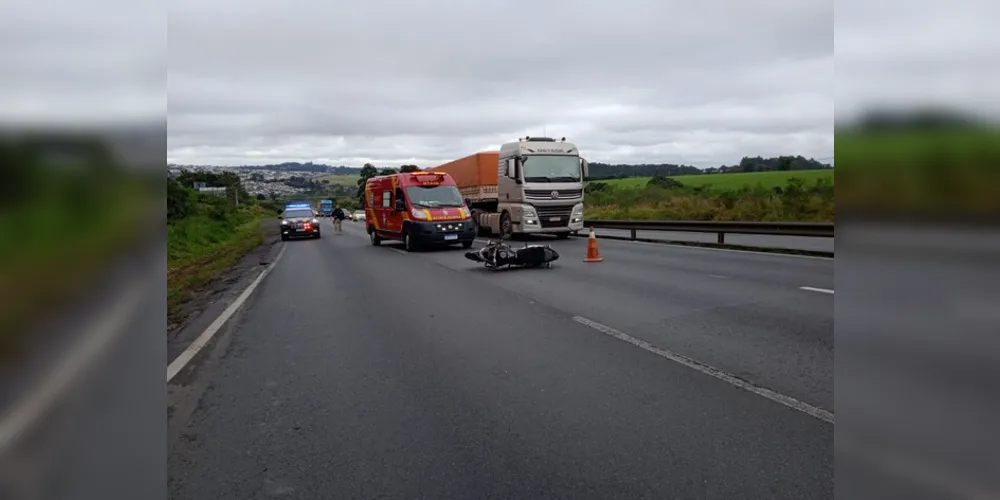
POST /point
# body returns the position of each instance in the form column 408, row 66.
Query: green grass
column 932, row 172
column 732, row 181
column 201, row 248
column 345, row 180
column 919, row 148
column 56, row 244
column 795, row 200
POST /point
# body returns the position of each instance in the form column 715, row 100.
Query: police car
column 299, row 219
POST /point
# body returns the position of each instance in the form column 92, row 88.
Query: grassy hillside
column 206, row 236
column 733, row 181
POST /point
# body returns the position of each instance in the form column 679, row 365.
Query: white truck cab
column 540, row 187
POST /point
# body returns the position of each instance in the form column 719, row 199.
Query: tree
column 387, row 171
column 409, row 168
column 178, row 200
column 367, row 172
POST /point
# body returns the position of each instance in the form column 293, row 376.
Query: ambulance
column 418, row 208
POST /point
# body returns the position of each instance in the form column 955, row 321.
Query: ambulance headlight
column 418, row 214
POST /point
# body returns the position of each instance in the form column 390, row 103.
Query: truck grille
column 553, row 216
column 546, row 194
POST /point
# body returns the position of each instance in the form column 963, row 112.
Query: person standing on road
column 338, row 219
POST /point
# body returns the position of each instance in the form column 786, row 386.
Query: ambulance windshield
column 434, row 196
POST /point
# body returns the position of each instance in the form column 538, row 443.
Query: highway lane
column 95, row 415
column 361, row 372
column 917, row 359
column 745, row 313
column 751, row 240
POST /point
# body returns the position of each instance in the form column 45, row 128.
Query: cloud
column 392, row 82
column 100, row 62
column 396, row 82
column 896, row 55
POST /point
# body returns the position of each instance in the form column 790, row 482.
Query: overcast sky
column 704, row 83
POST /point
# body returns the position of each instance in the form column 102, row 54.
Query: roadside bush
column 206, row 235
column 665, row 200
column 664, row 182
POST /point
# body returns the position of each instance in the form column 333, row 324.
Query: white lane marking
column 721, row 277
column 192, row 350
column 94, row 342
column 788, row 401
column 814, row 289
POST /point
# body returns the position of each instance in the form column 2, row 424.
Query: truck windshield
column 545, row 168
column 434, row 196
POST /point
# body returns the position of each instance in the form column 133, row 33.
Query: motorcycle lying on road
column 499, row 255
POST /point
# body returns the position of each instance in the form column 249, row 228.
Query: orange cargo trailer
column 475, row 175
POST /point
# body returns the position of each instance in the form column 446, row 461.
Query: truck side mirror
column 509, row 168
column 517, row 170
column 585, row 167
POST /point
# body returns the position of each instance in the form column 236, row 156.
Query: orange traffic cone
column 592, row 254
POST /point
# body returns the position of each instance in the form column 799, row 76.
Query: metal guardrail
column 810, row 229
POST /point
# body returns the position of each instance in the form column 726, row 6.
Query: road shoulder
column 211, row 299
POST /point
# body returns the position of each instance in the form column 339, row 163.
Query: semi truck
column 531, row 186
column 326, row 208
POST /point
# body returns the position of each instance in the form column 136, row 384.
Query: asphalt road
column 84, row 420
column 750, row 240
column 364, row 372
column 917, row 362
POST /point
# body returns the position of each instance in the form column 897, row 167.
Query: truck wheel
column 467, row 244
column 562, row 236
column 505, row 226
column 374, row 237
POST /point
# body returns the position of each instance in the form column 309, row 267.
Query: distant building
column 221, row 191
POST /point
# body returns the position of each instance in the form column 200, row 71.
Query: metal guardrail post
column 721, row 238
column 633, row 234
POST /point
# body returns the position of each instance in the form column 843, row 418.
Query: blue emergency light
column 297, row 205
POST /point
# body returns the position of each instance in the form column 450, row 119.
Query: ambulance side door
column 396, row 217
column 384, row 211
